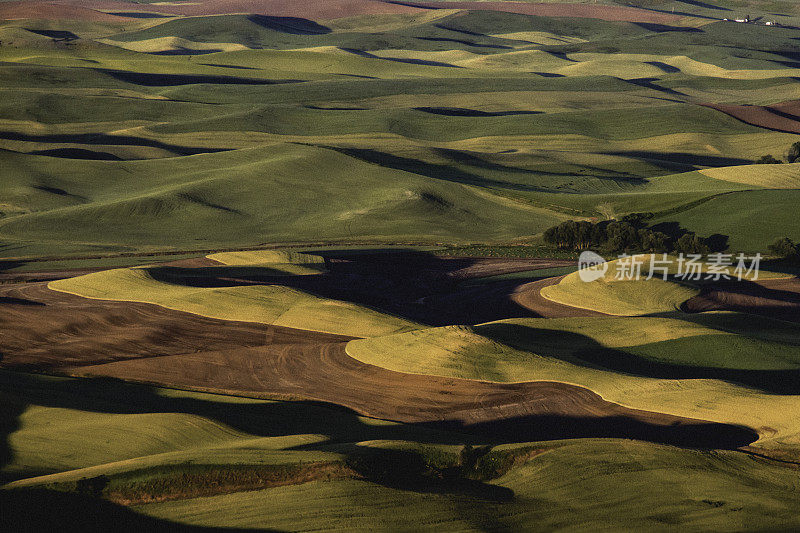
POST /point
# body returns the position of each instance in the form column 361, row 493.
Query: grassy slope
column 581, row 155
column 230, row 199
column 63, row 430
column 571, row 351
column 624, row 289
column 288, row 262
column 266, row 304
column 582, row 485
column 751, row 219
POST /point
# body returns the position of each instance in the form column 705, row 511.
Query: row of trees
column 787, row 249
column 622, row 236
column 792, row 156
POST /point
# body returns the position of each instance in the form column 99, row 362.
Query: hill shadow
column 466, row 43
column 431, row 170
column 58, row 35
column 663, row 28
column 139, row 14
column 37, row 510
column 290, row 25
column 104, row 139
column 77, row 153
column 585, row 351
column 704, row 5
column 669, row 69
column 463, row 112
column 747, row 297
column 671, row 160
column 414, row 285
column 412, row 61
column 650, row 83
column 149, row 79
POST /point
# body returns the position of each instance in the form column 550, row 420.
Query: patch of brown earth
column 784, row 116
column 530, row 297
column 776, row 298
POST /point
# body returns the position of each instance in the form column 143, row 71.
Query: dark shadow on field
column 704, row 5
column 38, row 510
column 187, row 52
column 412, row 61
column 139, row 15
column 560, row 55
column 450, row 172
column 58, row 35
column 105, row 139
column 473, row 159
column 463, row 112
column 717, row 242
column 669, row 69
column 342, row 426
column 77, row 153
column 467, row 43
column 781, row 113
column 432, row 170
column 167, row 80
column 6, row 264
column 229, row 66
column 663, row 28
column 17, row 301
column 585, row 351
column 415, row 285
column 550, row 75
column 772, row 298
column 708, row 435
column 650, row 83
column 291, row 25
column 673, row 160
column 334, row 108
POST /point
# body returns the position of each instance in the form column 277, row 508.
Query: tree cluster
column 628, row 235
column 792, row 156
column 786, row 248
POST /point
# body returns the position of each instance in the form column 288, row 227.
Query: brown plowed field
column 44, row 329
column 530, row 297
column 776, row 298
column 324, row 372
column 57, row 332
column 784, row 116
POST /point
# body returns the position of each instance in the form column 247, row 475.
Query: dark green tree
column 785, row 248
column 689, row 243
column 794, row 153
column 767, row 160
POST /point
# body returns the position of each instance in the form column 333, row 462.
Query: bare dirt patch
column 775, row 298
column 784, row 116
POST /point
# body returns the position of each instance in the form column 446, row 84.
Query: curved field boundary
column 309, row 9
column 602, row 12
column 784, row 117
column 214, row 296
column 529, row 411
column 777, row 298
column 770, row 176
column 180, row 350
column 530, row 297
column 56, row 11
